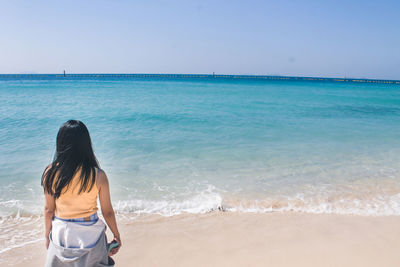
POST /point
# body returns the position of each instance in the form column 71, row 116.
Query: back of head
column 74, row 151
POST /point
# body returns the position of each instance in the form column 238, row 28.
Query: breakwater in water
column 191, row 76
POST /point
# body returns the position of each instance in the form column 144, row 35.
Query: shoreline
column 246, row 239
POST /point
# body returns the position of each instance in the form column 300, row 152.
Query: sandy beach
column 238, row 239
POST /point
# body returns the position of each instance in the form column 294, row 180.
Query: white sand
column 237, row 239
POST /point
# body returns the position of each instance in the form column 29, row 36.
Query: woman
column 72, row 182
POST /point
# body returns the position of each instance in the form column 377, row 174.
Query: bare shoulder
column 101, row 178
column 47, row 168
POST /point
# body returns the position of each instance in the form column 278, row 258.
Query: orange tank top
column 71, row 205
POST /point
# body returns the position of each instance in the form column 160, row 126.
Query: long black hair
column 74, row 151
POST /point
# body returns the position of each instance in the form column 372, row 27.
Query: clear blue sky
column 303, row 38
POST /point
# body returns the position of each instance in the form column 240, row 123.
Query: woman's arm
column 106, row 207
column 49, row 208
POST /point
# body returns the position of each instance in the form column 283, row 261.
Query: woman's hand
column 115, row 250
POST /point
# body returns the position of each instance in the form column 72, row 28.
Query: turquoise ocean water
column 171, row 146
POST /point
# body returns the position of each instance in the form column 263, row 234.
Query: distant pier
column 192, row 76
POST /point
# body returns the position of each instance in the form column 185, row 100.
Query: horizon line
column 205, row 75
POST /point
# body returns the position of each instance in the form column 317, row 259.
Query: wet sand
column 238, row 239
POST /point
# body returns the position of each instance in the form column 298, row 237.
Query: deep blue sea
column 171, row 146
